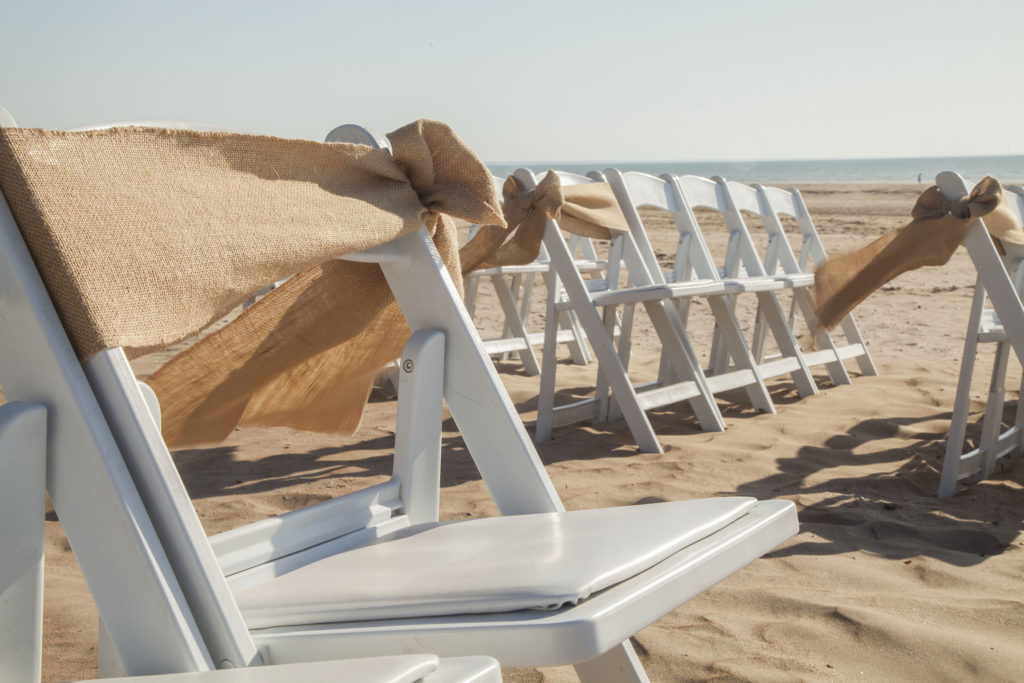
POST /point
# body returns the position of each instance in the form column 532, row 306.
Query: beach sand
column 884, row 582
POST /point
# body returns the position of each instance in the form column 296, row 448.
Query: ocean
column 1008, row 169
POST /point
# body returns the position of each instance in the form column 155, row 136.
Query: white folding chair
column 635, row 190
column 769, row 204
column 596, row 302
column 370, row 573
column 1000, row 281
column 741, row 273
column 513, row 286
column 23, row 455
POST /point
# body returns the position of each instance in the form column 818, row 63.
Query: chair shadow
column 671, row 420
column 894, row 513
column 891, row 511
column 215, row 471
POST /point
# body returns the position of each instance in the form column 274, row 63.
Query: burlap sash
column 589, row 210
column 145, row 236
column 938, row 227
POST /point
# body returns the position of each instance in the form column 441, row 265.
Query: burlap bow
column 589, row 210
column 938, row 228
column 145, row 236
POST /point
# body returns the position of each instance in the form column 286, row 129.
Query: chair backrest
column 623, row 249
column 993, row 273
column 777, row 202
column 542, row 257
column 128, row 516
column 1014, row 196
column 102, row 511
column 741, row 252
column 678, row 195
column 757, row 200
column 635, row 190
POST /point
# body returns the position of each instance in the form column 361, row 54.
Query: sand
column 884, row 582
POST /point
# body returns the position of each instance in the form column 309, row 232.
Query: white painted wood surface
column 1000, row 280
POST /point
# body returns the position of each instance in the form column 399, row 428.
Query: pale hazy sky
column 616, row 80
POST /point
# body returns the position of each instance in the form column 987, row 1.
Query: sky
column 623, row 80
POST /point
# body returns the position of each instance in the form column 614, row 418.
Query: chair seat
column 394, row 669
column 796, row 280
column 760, row 284
column 497, row 564
column 672, row 290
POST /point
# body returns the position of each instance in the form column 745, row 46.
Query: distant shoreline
column 1008, row 169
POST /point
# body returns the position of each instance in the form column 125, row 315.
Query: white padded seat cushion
column 390, row 669
column 496, row 564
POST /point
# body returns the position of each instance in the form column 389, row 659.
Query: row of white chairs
column 513, row 287
column 996, row 316
column 369, row 574
column 603, row 302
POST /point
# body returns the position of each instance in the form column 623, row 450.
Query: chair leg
column 602, row 396
column 993, row 421
column 686, row 364
column 625, row 347
column 524, row 293
column 514, row 324
column 578, row 350
column 515, row 283
column 602, row 344
column 759, row 340
column 22, row 508
column 1018, row 422
column 618, row 665
column 567, row 320
column 732, row 337
column 719, row 360
column 836, row 369
column 549, row 365
column 853, row 336
column 962, row 401
column 108, row 664
column 470, row 285
column 787, row 343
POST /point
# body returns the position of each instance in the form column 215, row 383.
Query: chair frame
column 513, row 286
column 134, row 530
column 595, row 302
column 742, row 273
column 780, row 262
column 1000, row 280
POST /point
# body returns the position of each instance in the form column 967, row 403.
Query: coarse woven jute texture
column 145, row 236
column 938, row 228
column 589, row 210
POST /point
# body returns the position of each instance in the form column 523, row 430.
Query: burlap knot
column 145, row 236
column 589, row 210
column 938, row 228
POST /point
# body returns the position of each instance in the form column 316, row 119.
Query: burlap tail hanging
column 937, row 229
column 145, row 236
column 589, row 210
column 312, row 347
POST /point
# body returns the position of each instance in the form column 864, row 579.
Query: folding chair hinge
column 418, row 433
